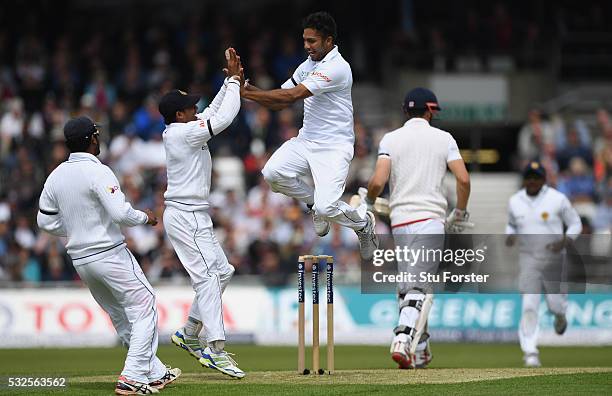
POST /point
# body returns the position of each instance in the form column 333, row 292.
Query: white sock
column 192, row 327
column 217, row 346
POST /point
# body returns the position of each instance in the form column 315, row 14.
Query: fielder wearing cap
column 414, row 159
column 186, row 220
column 537, row 215
column 82, row 201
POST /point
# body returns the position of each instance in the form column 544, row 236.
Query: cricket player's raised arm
column 203, row 129
column 215, row 104
column 106, row 187
column 48, row 217
column 457, row 167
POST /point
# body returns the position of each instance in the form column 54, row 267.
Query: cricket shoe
column 532, row 360
column 321, row 226
column 128, row 387
column 171, row 375
column 422, row 358
column 188, row 343
column 560, row 324
column 401, row 355
column 221, row 361
column 368, row 240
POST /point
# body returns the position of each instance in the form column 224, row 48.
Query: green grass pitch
column 457, row 368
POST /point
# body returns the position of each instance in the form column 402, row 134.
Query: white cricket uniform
column 186, row 221
column 419, row 154
column 324, row 146
column 82, row 201
column 538, row 221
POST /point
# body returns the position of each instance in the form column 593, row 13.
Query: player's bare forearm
column 463, row 193
column 462, row 177
column 380, row 177
column 374, row 190
column 276, row 99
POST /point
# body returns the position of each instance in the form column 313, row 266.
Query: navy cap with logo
column 421, row 99
column 176, row 100
column 79, row 127
column 534, row 168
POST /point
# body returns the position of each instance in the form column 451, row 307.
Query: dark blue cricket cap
column 534, row 168
column 176, row 100
column 421, row 98
column 79, row 127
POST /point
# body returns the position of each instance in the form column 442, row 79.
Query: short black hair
column 79, row 144
column 322, row 22
column 414, row 113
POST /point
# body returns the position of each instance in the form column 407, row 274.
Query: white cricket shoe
column 560, row 324
column 321, row 226
column 171, row 375
column 421, row 359
column 401, row 355
column 222, row 362
column 368, row 240
column 189, row 343
column 532, row 360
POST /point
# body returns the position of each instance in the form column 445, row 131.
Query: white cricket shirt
column 82, row 201
column 419, row 154
column 188, row 161
column 328, row 113
column 545, row 214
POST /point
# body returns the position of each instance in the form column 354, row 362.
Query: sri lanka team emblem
column 544, row 216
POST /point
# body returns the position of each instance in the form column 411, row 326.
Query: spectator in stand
column 533, row 136
column 579, row 187
column 11, row 126
column 575, row 148
column 148, row 123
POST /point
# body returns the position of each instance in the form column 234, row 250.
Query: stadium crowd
column 578, row 159
column 115, row 76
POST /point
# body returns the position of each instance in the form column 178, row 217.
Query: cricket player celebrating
column 324, row 146
column 414, row 159
column 82, row 200
column 541, row 210
column 187, row 223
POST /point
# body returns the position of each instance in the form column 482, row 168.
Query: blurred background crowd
column 112, row 61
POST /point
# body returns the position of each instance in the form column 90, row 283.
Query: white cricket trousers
column 328, row 164
column 119, row 286
column 532, row 281
column 428, row 234
column 193, row 239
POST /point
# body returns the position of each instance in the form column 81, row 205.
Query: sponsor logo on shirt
column 321, row 75
column 112, row 189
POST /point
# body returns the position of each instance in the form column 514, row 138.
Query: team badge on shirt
column 112, row 189
column 545, row 216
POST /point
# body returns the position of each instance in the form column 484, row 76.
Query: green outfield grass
column 456, row 368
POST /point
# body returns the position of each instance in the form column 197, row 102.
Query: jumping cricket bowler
column 536, row 216
column 82, row 201
column 324, row 146
column 186, row 220
column 414, row 159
